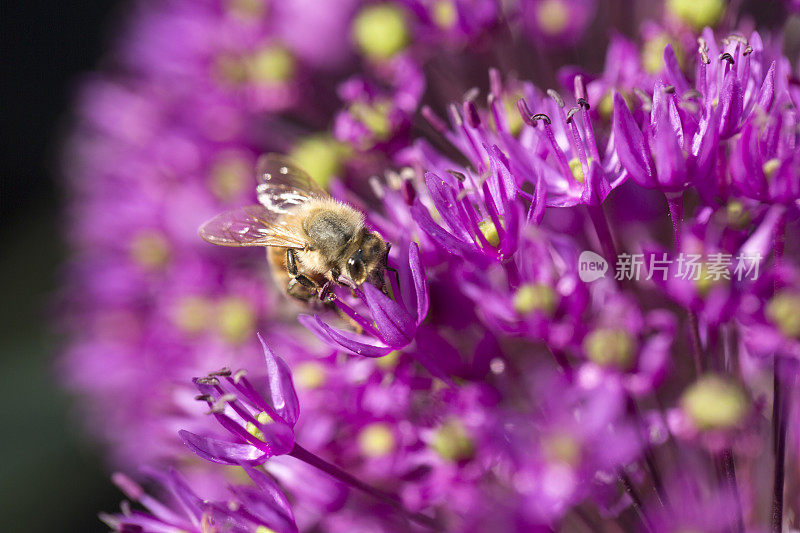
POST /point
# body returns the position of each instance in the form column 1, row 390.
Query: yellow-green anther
column 264, row 418
column 653, row 53
column 236, row 319
column 697, row 13
column 230, row 175
column 229, row 69
column 254, row 431
column 714, row 402
column 606, row 105
column 770, row 167
column 193, row 314
column 738, row 216
column 380, row 31
column 309, row 375
column 374, row 116
column 248, row 9
column 535, row 297
column 445, row 14
column 563, row 448
column 783, row 310
column 150, row 249
column 376, row 440
column 264, row 529
column 514, row 120
column 576, row 169
column 388, row 361
column 452, row 442
column 321, row 156
column 489, row 231
column 610, row 347
column 552, row 16
column 271, row 65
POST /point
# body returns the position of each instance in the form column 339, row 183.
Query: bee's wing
column 252, row 225
column 282, row 185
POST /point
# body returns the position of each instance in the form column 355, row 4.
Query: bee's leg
column 302, row 288
column 291, row 261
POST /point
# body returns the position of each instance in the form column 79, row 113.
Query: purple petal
column 597, row 187
column 190, row 502
column 705, row 146
column 445, row 239
column 268, row 486
column 673, row 69
column 278, row 436
column 223, row 452
column 670, row 164
column 396, row 325
column 420, row 282
column 731, row 102
column 445, row 202
column 760, row 242
column 340, row 339
column 281, row 388
column 630, row 145
column 767, row 92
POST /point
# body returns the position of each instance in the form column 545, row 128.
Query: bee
column 312, row 240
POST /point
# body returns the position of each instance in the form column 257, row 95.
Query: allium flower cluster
column 588, row 318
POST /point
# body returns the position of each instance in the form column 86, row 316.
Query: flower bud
column 452, row 442
column 380, row 31
column 535, row 297
column 376, row 440
column 714, row 403
column 697, row 13
column 610, row 347
column 236, row 320
column 552, row 16
column 309, row 375
column 150, row 249
column 562, row 448
column 445, row 14
column 319, row 155
column 783, row 310
column 270, row 65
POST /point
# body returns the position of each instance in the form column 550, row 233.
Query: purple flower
column 672, row 152
column 373, row 117
column 557, row 21
column 540, row 298
column 576, row 173
column 511, row 379
column 454, row 22
column 181, row 510
column 765, row 164
column 395, row 321
column 734, row 79
column 482, row 221
column 262, row 428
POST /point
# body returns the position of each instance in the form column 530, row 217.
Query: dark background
column 51, row 476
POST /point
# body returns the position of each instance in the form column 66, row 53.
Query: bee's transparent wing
column 283, row 186
column 252, row 225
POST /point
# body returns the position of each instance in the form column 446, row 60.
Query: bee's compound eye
column 356, row 268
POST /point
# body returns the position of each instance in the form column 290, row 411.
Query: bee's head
column 369, row 256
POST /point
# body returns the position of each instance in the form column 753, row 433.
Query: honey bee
column 313, row 240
